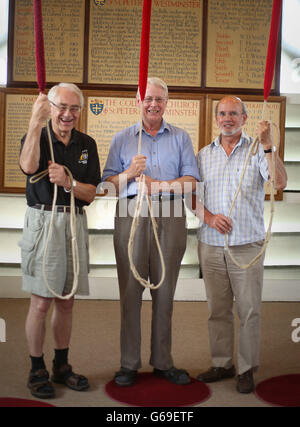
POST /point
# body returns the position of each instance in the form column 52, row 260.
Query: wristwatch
column 74, row 184
column 268, row 151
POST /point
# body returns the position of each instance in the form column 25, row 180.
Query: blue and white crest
column 96, row 107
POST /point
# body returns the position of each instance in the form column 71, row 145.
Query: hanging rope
column 142, row 188
column 269, row 74
column 41, row 80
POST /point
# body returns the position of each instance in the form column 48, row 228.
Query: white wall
column 282, row 261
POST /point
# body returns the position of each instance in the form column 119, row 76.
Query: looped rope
column 74, row 245
column 252, row 152
column 139, row 200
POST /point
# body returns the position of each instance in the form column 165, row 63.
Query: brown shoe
column 245, row 382
column 216, row 374
column 65, row 375
column 39, row 384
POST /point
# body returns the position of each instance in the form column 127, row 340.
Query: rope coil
column 141, row 196
column 74, row 244
column 252, row 152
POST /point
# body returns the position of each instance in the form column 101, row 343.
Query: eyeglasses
column 63, row 108
column 150, row 99
column 230, row 113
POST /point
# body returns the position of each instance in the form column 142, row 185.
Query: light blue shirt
column 221, row 175
column 169, row 153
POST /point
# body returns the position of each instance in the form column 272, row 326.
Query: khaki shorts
column 58, row 261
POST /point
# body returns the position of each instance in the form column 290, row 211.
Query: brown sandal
column 65, row 375
column 39, row 384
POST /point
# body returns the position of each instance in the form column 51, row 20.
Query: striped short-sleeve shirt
column 221, row 176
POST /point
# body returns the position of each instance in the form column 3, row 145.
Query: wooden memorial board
column 237, row 37
column 63, row 28
column 102, row 116
column 175, row 43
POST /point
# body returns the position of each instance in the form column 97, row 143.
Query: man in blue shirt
column 168, row 163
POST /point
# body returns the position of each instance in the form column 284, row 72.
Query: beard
column 231, row 132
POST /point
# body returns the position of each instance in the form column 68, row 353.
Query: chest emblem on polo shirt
column 99, row 2
column 84, row 157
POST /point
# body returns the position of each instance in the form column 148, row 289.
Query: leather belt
column 160, row 197
column 66, row 209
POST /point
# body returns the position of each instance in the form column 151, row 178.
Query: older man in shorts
column 78, row 152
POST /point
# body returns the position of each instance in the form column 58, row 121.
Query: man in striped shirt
column 221, row 165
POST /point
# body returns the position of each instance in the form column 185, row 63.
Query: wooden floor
column 94, row 349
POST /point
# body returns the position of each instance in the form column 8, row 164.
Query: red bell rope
column 272, row 47
column 39, row 45
column 41, row 80
column 144, row 58
column 145, row 43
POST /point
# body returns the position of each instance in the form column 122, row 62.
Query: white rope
column 74, row 245
column 252, row 152
column 142, row 190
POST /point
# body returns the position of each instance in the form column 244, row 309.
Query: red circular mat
column 150, row 390
column 280, row 391
column 12, row 402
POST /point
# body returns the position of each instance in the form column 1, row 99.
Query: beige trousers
column 59, row 260
column 172, row 236
column 224, row 281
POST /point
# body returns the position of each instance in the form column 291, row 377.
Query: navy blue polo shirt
column 80, row 156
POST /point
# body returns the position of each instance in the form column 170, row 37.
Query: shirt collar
column 244, row 139
column 55, row 140
column 164, row 126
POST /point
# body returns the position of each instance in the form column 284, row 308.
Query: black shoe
column 245, row 382
column 174, row 375
column 216, row 374
column 125, row 377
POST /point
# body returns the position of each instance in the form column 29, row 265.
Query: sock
column 61, row 357
column 37, row 363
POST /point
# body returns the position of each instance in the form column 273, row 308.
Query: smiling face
column 154, row 106
column 65, row 113
column 230, row 117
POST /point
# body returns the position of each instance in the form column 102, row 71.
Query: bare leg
column 61, row 322
column 35, row 324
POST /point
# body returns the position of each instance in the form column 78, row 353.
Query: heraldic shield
column 96, row 107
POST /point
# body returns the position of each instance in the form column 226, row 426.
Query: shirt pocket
column 29, row 243
column 250, row 176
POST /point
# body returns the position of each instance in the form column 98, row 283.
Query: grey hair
column 236, row 98
column 71, row 87
column 155, row 81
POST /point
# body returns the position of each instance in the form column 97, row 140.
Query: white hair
column 71, row 87
column 155, row 81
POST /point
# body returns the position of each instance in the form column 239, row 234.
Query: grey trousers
column 172, row 236
column 223, row 282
